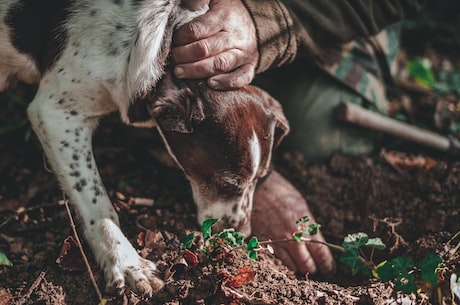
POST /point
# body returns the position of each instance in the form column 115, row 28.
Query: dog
column 90, row 58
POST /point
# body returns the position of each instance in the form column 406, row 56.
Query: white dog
column 90, row 58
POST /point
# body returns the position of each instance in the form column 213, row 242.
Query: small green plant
column 218, row 244
column 4, row 261
column 400, row 270
column 357, row 253
column 420, row 70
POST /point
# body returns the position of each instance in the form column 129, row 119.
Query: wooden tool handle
column 355, row 114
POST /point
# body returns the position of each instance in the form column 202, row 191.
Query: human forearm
column 291, row 29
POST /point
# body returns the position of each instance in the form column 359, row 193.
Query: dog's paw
column 139, row 277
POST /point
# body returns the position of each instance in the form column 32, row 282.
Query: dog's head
column 223, row 141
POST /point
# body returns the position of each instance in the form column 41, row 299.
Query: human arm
column 269, row 34
column 288, row 30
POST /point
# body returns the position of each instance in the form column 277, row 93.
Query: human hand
column 277, row 206
column 220, row 45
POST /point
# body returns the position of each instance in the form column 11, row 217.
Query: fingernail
column 179, row 72
column 213, row 83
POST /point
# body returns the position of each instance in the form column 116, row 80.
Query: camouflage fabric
column 354, row 73
column 361, row 65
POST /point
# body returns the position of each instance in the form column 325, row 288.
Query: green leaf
column 405, row 283
column 311, row 229
column 298, row 237
column 398, row 269
column 207, row 225
column 252, row 244
column 428, row 266
column 375, row 243
column 355, row 240
column 302, row 220
column 402, row 264
column 351, row 258
column 252, row 254
column 420, row 71
column 4, row 261
column 187, row 241
column 231, row 237
column 385, row 271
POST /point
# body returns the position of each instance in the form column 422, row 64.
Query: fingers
column 306, row 257
column 202, row 48
column 241, row 77
column 284, row 256
column 303, row 260
column 277, row 206
column 220, row 44
column 321, row 254
column 208, row 66
column 201, row 27
column 240, row 74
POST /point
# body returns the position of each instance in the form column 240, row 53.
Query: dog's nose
column 245, row 228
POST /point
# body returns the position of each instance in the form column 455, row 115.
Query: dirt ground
column 346, row 195
column 413, row 207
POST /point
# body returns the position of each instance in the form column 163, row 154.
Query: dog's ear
column 282, row 125
column 177, row 110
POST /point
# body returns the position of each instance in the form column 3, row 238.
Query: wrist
column 273, row 25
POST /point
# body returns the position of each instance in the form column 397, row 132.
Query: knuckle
column 221, row 64
column 194, row 29
column 202, row 49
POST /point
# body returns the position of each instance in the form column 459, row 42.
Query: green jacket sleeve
column 291, row 29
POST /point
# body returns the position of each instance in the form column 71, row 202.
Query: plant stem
column 310, row 240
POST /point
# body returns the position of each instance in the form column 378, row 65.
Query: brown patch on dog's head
column 223, row 141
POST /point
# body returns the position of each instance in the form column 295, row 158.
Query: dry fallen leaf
column 182, row 263
column 5, row 298
column 408, row 161
column 190, row 257
column 150, row 239
column 70, row 258
column 245, row 275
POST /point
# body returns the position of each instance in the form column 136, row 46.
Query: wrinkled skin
column 220, row 45
column 277, row 206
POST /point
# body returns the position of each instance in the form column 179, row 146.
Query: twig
column 310, row 240
column 278, row 241
column 85, row 258
column 392, row 223
column 230, row 292
column 37, row 282
column 457, row 247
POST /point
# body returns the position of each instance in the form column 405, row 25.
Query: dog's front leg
column 64, row 121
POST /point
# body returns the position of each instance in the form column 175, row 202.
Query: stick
column 85, row 259
column 35, row 284
column 355, row 114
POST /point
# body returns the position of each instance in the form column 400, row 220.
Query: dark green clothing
column 323, row 66
column 309, row 98
column 294, row 29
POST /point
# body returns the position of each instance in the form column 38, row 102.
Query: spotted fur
column 89, row 58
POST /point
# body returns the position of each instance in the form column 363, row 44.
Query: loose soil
column 415, row 209
column 346, row 194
